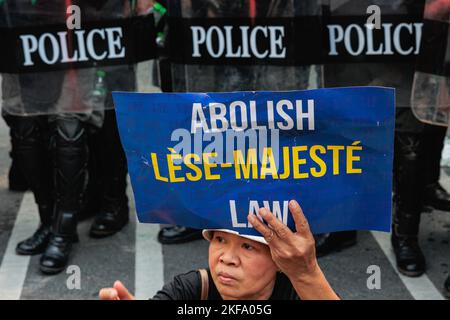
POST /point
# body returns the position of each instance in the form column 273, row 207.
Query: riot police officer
column 409, row 180
column 51, row 115
column 40, row 137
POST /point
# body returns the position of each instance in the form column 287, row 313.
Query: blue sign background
column 330, row 203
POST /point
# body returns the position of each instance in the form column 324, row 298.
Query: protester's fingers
column 265, row 231
column 123, row 292
column 301, row 223
column 280, row 228
column 108, row 294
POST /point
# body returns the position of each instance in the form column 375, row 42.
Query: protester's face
column 241, row 268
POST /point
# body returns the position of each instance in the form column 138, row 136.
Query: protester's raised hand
column 293, row 253
column 117, row 292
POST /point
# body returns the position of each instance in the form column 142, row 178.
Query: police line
column 98, row 43
column 295, row 41
column 274, row 41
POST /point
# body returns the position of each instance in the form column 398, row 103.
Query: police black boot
column 30, row 154
column 437, row 197
column 111, row 219
column 327, row 243
column 71, row 157
column 56, row 255
column 178, row 234
column 38, row 241
column 408, row 191
column 409, row 256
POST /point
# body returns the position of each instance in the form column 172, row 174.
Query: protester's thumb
column 108, row 294
column 123, row 292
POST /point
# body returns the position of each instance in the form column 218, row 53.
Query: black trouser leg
column 30, row 140
column 435, row 196
column 111, row 158
column 16, row 179
column 113, row 162
column 71, row 159
column 408, row 182
column 433, row 143
column 91, row 204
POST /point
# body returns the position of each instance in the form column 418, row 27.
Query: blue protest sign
column 206, row 160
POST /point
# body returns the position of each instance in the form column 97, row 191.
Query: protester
column 280, row 265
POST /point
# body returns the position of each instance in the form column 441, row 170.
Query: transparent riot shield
column 67, row 56
column 430, row 96
column 231, row 77
column 368, row 56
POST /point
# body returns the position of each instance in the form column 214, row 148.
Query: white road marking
column 13, row 268
column 149, row 265
column 445, row 179
column 421, row 288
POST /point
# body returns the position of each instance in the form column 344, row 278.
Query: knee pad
column 70, row 130
column 28, row 132
column 70, row 152
column 408, row 146
column 69, row 145
column 25, row 128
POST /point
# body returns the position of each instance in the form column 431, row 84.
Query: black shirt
column 188, row 286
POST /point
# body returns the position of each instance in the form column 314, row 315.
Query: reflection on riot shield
column 247, row 76
column 430, row 95
column 50, row 67
column 368, row 56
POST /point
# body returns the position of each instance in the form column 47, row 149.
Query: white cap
column 208, row 234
